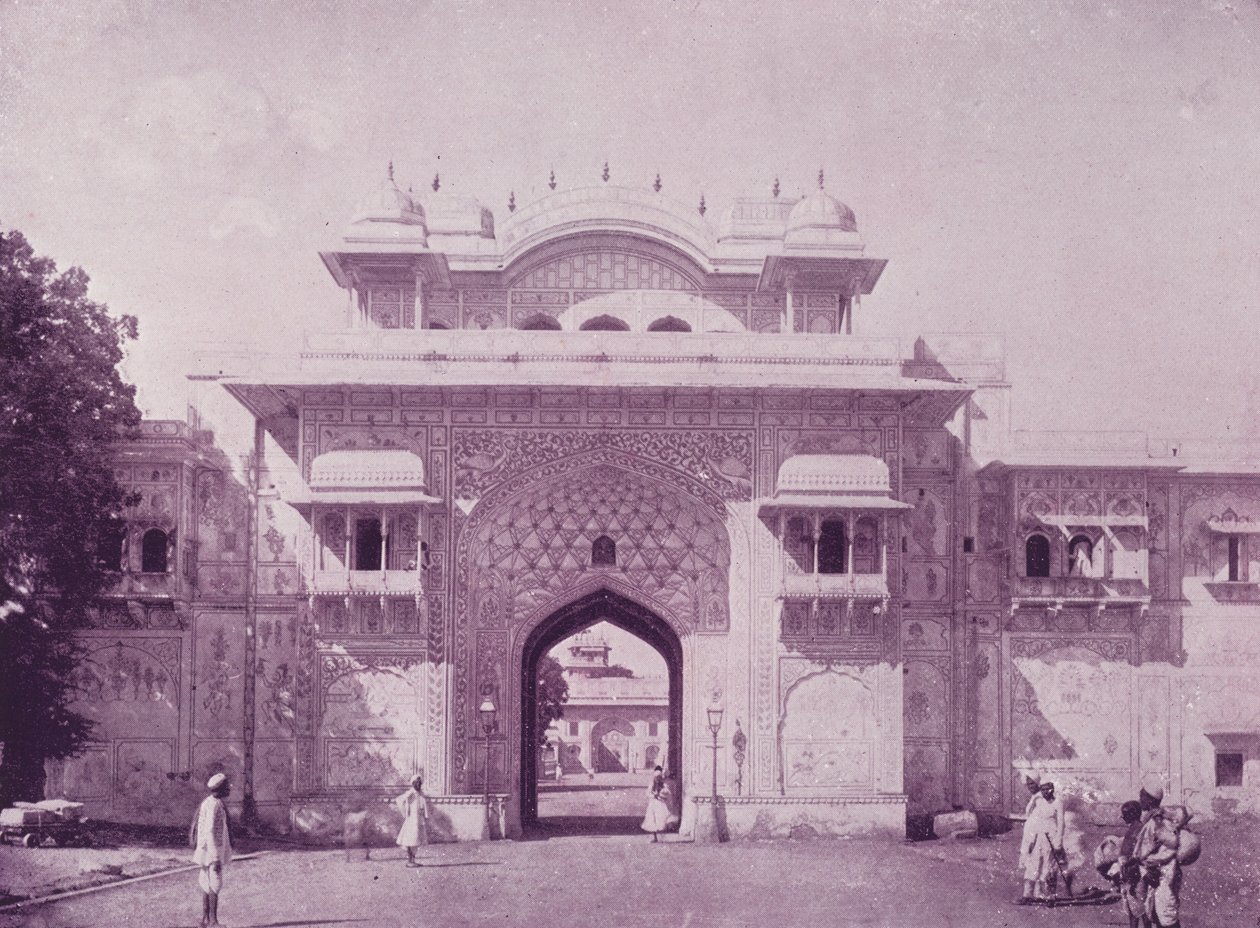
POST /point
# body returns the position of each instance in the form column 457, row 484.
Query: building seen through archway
column 599, row 754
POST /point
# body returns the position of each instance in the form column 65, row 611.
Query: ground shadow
column 567, row 826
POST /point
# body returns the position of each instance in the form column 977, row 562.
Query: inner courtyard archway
column 612, row 753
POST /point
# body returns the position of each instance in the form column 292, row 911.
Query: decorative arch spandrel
column 526, row 546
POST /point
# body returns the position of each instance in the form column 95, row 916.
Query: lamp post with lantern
column 489, row 713
column 715, row 725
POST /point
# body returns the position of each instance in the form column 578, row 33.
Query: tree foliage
column 62, row 405
column 552, row 694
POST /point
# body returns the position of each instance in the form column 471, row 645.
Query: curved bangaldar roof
column 642, row 213
column 857, row 481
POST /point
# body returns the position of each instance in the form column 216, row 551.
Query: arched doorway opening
column 603, row 605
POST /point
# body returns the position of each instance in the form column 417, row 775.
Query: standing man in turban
column 1156, row 851
column 211, row 840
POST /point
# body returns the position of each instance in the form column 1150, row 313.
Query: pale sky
column 1082, row 178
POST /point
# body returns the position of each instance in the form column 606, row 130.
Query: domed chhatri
column 820, row 211
column 389, row 203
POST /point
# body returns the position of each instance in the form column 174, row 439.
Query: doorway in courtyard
column 602, row 706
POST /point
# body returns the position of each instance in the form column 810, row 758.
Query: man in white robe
column 211, row 840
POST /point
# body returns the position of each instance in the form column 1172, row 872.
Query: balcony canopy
column 833, row 481
column 373, row 475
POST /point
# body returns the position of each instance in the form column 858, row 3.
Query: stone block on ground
column 961, row 824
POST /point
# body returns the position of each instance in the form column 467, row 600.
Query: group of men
column 1147, row 869
column 1144, row 865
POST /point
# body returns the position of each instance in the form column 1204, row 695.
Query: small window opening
column 653, row 730
column 1080, row 556
column 1235, row 566
column 603, row 552
column 605, row 323
column 831, row 545
column 1037, row 556
column 109, row 551
column 1229, row 769
column 799, row 544
column 866, row 553
column 367, row 544
column 540, row 322
column 153, row 552
column 969, row 545
column 669, row 324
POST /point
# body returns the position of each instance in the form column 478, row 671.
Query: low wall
column 374, row 821
column 754, row 817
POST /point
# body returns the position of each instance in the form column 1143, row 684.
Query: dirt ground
column 791, row 883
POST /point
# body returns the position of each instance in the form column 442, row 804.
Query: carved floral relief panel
column 1070, row 702
column 371, row 718
column 827, row 727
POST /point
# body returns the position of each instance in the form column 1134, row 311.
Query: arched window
column 605, row 323
column 367, row 544
column 831, row 545
column 153, row 552
column 603, row 552
column 1037, row 556
column 669, row 324
column 866, row 551
column 540, row 322
column 110, row 544
column 1081, row 556
column 798, row 542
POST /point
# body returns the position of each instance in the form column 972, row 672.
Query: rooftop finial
column 775, row 189
column 512, row 202
column 551, row 181
column 390, row 169
column 702, row 208
column 820, row 179
column 607, row 174
column 437, row 182
column 657, row 185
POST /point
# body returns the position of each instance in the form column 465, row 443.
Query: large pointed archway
column 602, row 605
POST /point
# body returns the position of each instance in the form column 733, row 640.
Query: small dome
column 820, row 210
column 388, row 203
column 453, row 214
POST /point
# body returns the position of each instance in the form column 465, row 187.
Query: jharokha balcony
column 836, row 586
column 364, row 583
column 1056, row 592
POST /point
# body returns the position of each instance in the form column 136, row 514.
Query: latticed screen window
column 798, row 543
column 392, row 308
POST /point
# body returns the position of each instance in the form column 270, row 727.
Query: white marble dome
column 820, row 211
column 388, row 203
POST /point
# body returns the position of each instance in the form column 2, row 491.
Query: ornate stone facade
column 610, row 408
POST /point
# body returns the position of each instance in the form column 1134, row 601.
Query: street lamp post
column 715, row 725
column 488, row 713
